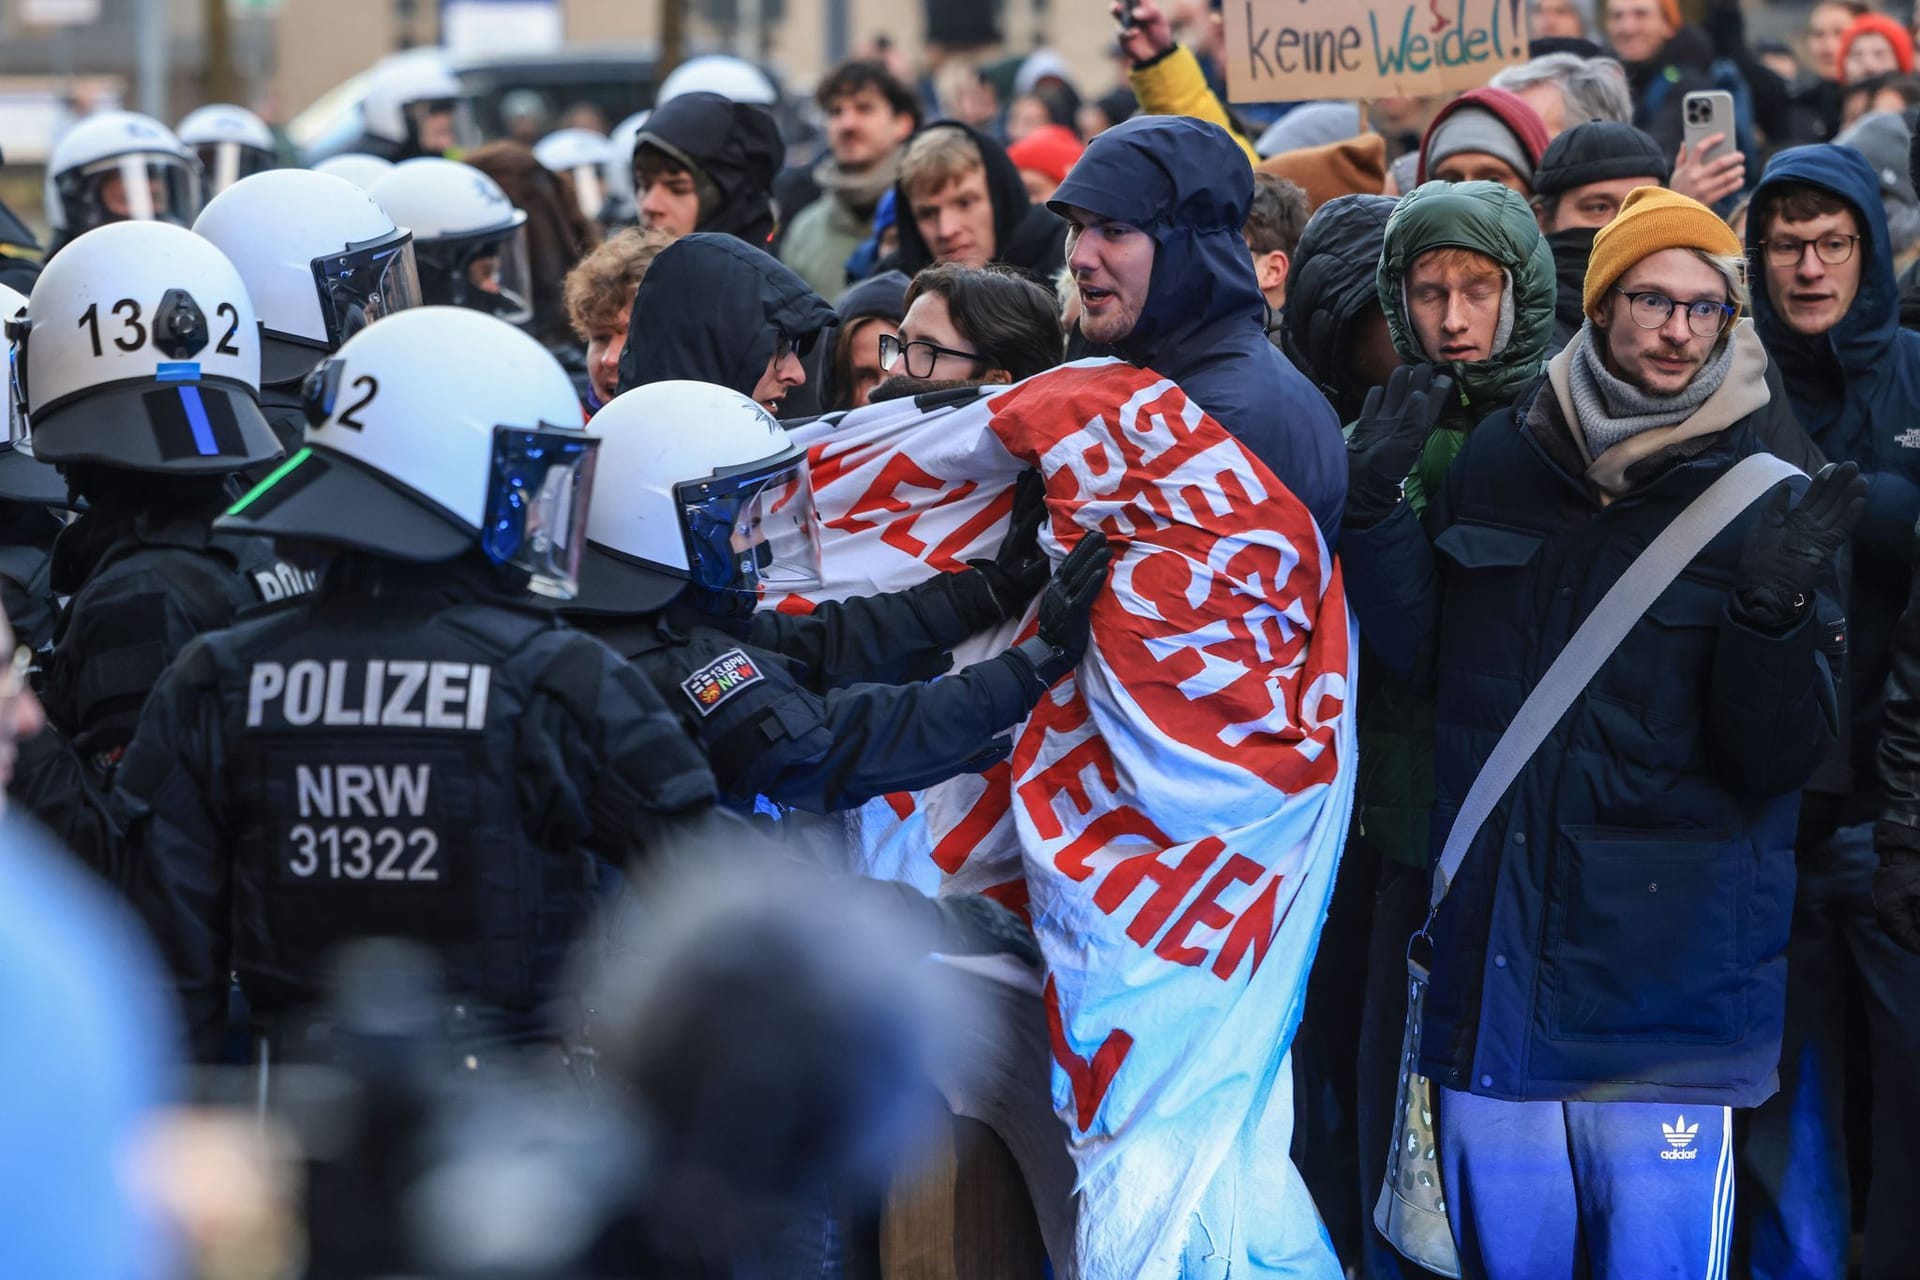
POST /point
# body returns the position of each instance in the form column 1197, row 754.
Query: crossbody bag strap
column 1651, row 573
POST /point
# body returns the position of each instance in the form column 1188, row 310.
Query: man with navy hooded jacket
column 1154, row 212
column 1828, row 315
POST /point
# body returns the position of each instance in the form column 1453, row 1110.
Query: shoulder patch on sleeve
column 720, row 679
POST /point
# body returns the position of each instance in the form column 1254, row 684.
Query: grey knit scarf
column 1611, row 410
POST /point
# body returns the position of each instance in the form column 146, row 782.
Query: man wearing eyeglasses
column 1829, row 316
column 1609, row 968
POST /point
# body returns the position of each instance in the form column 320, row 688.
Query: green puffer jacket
column 1396, row 725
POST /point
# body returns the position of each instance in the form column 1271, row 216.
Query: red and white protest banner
column 1172, row 814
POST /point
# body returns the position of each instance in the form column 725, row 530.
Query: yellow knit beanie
column 1652, row 219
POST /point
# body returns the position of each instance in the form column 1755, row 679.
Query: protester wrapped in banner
column 1171, row 816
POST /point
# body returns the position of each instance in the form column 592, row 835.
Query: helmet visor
column 225, row 163
column 443, row 126
column 588, row 191
column 754, row 530
column 19, row 431
column 486, row 271
column 365, row 282
column 142, row 187
column 537, row 505
column 502, row 270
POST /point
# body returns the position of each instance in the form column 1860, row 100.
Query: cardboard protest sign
column 1296, row 50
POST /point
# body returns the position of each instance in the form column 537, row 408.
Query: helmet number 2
column 232, row 313
column 369, row 387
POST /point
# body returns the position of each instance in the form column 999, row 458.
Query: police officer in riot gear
column 414, row 106
column 32, row 495
column 468, row 238
column 138, row 365
column 231, row 142
column 417, row 749
column 321, row 261
column 701, row 502
column 119, row 166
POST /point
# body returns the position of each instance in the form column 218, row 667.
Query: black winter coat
column 1329, row 289
column 1618, row 928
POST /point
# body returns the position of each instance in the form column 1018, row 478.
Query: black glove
column 973, row 924
column 1387, row 438
column 1788, row 550
column 1066, row 610
column 1896, row 885
column 1019, row 569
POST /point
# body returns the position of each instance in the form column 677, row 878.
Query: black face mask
column 1572, row 248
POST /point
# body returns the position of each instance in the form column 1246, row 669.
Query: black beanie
column 1599, row 151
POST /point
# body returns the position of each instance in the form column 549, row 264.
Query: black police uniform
column 410, row 751
column 33, row 499
column 824, row 711
column 285, row 410
column 143, row 584
column 26, row 572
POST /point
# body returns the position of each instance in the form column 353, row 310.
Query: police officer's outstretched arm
column 907, row 635
column 835, row 751
column 176, row 866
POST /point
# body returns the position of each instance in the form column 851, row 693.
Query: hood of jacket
column 1863, row 336
column 747, row 299
column 1187, row 184
column 882, row 295
column 1024, row 234
column 1330, row 286
column 734, row 145
column 1490, row 219
column 1509, row 108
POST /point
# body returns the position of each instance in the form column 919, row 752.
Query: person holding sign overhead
column 1165, row 75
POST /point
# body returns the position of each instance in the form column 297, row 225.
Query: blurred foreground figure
column 761, row 1033
column 81, row 1058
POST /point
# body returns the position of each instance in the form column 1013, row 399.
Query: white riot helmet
column 436, row 430
column 120, row 166
column 357, row 167
column 468, row 239
column 698, row 487
column 23, row 478
column 320, row 259
column 405, row 91
column 582, row 155
column 232, row 143
column 732, row 78
column 621, row 209
column 139, row 350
